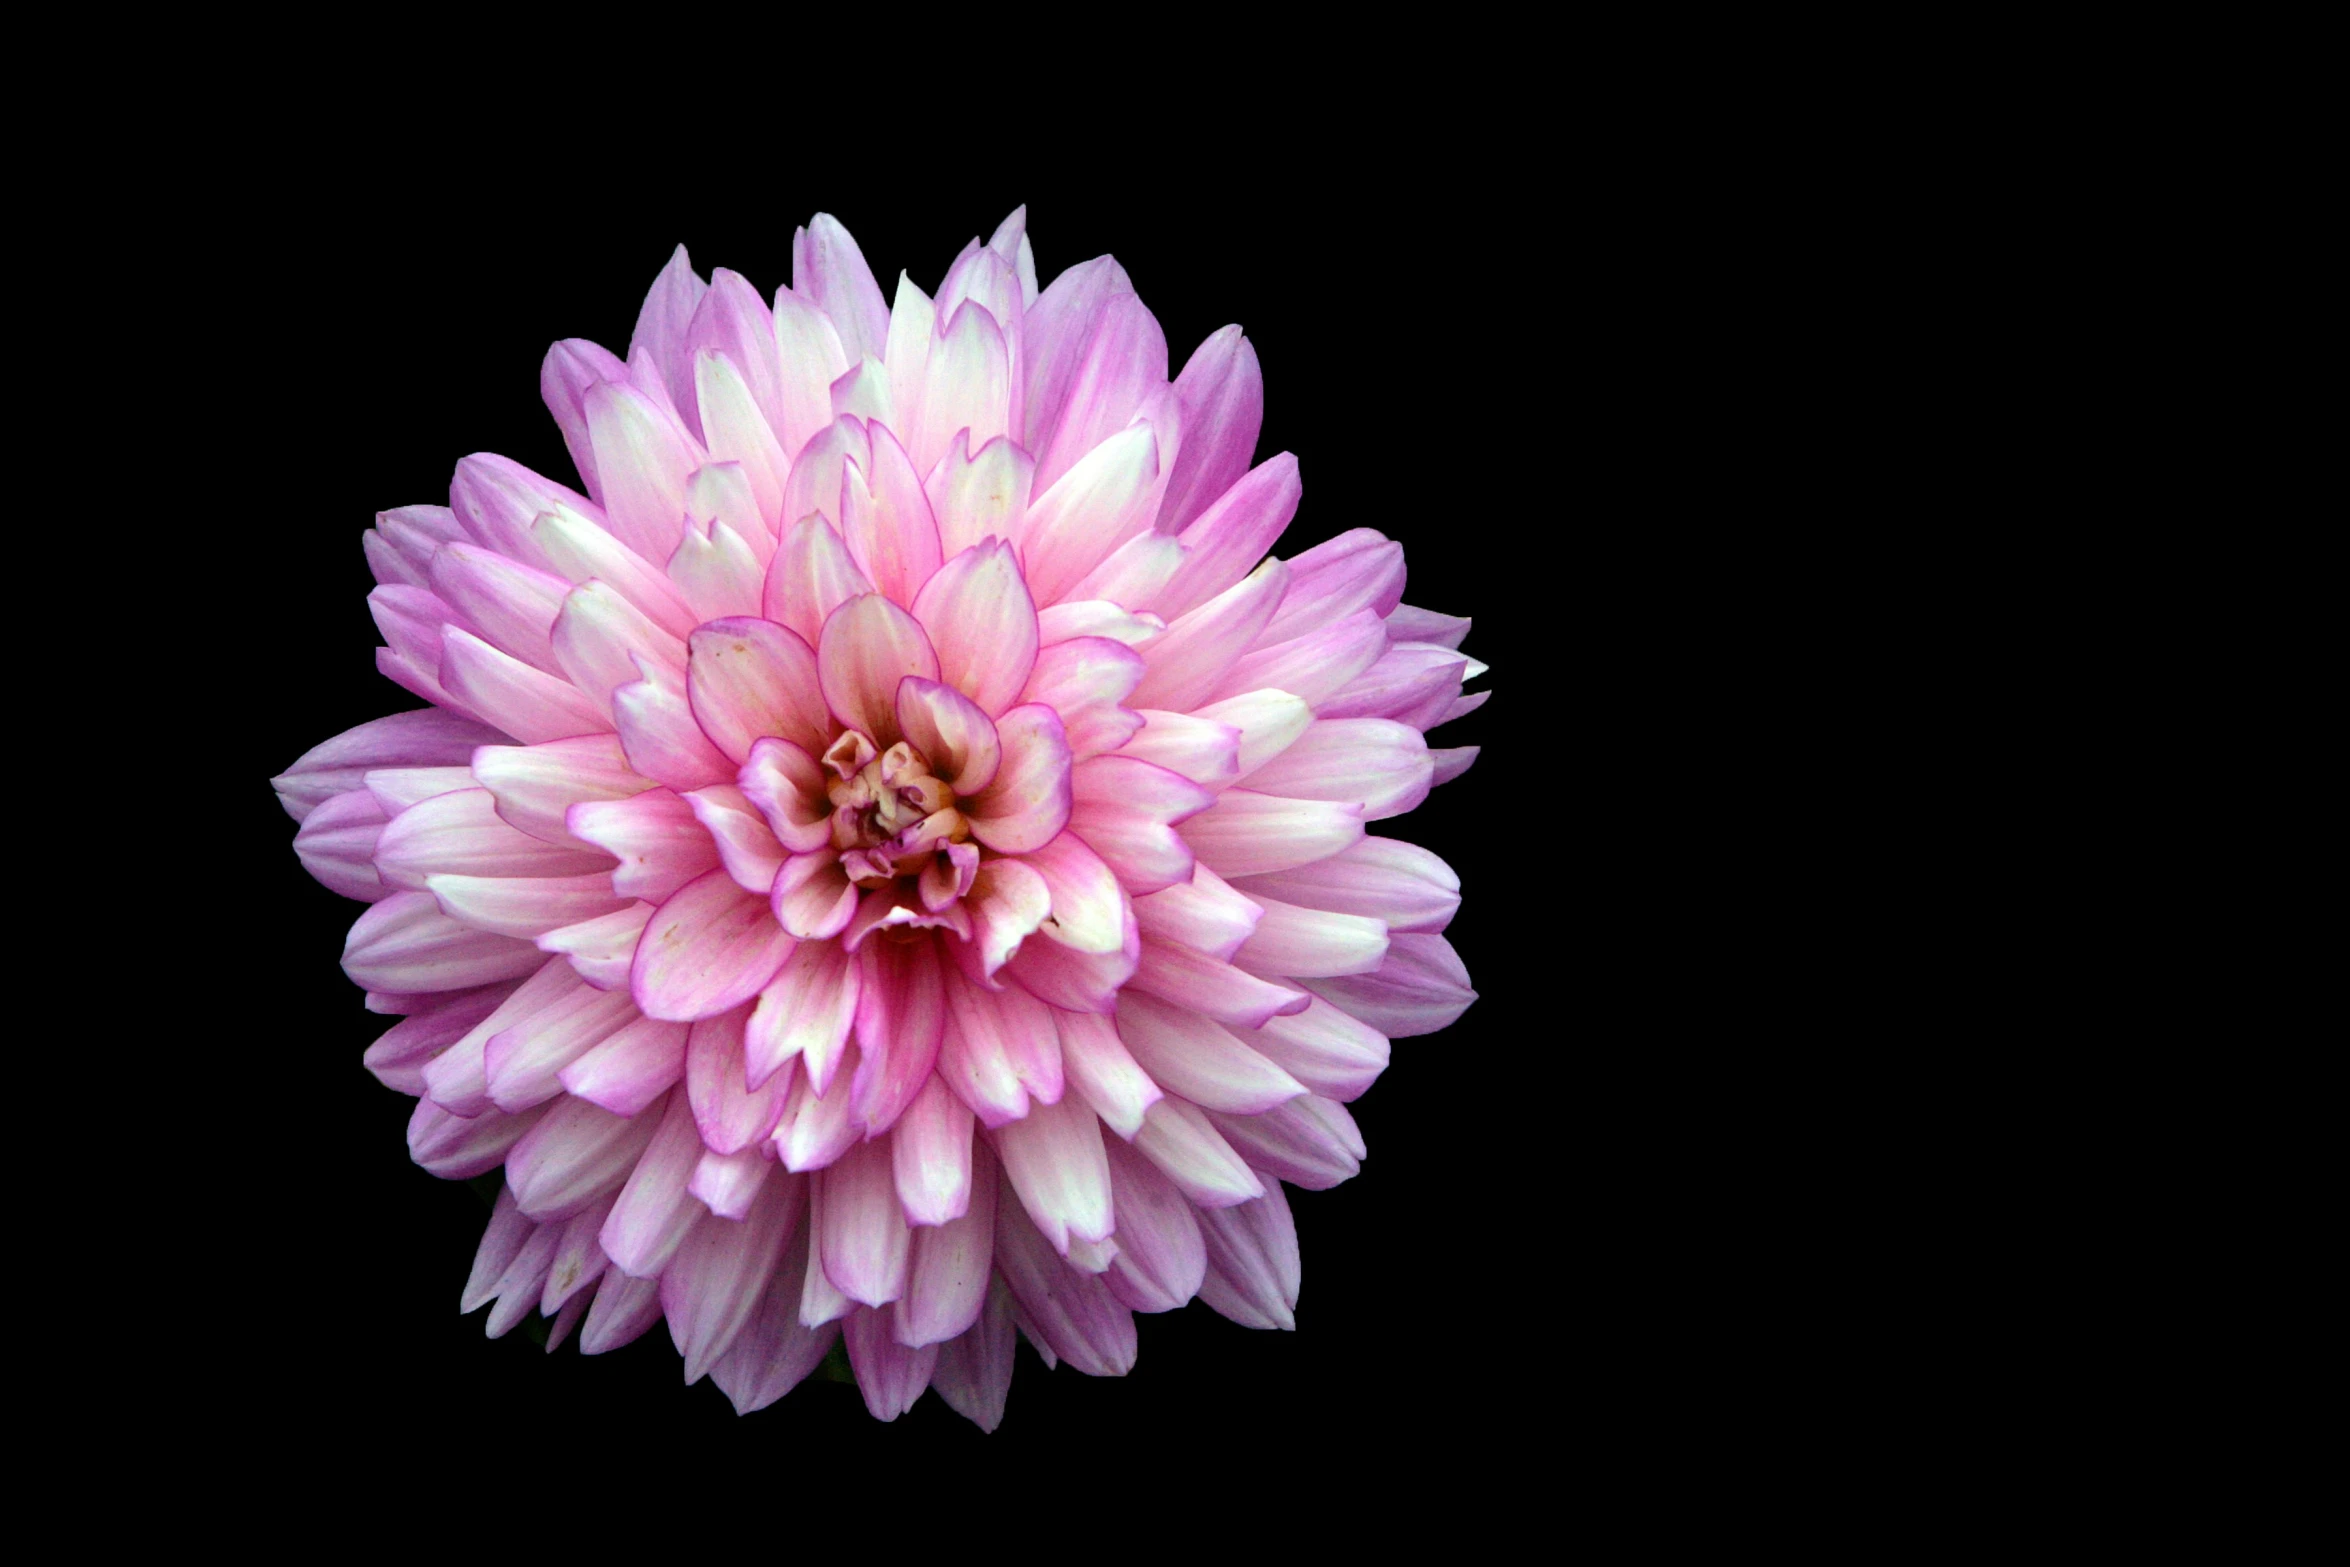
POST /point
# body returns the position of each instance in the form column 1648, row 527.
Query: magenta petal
column 1084, row 679
column 974, row 1371
column 729, row 1114
column 930, row 1151
column 1216, row 989
column 1299, row 943
column 1201, row 749
column 1310, row 1142
column 1089, row 907
column 461, row 833
column 1360, row 569
column 950, row 730
column 805, row 1013
column 1161, row 1257
column 1222, row 393
column 1027, row 804
column 400, row 1055
column 1075, row 1312
column 1007, row 901
column 1053, row 1158
column 1253, row 1270
column 656, row 838
column 710, row 947
column 1191, row 1055
column 995, row 1045
column 525, row 906
column 1421, row 988
column 1401, row 884
column 1334, row 1053
column 774, row 1353
column 887, row 523
column 1249, row 834
column 534, row 786
column 1205, row 914
column 337, row 845
column 747, row 847
column 787, row 783
column 891, row 1376
column 948, row 1266
column 1185, row 663
column 728, row 1183
column 1177, row 1137
column 975, row 496
column 1100, row 1068
column 747, row 678
column 901, row 1014
column 660, row 736
column 405, row 943
column 869, row 645
column 527, row 703
column 575, row 1154
column 814, row 899
column 711, row 1288
column 811, row 576
column 630, row 1069
column 1315, row 666
column 863, row 1232
column 456, row 1148
column 521, row 1062
column 1071, row 980
column 652, row 1215
column 1228, row 540
column 428, row 738
column 602, row 948
column 624, row 1308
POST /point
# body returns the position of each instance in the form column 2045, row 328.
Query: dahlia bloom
column 885, row 861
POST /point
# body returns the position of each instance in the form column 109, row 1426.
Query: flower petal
column 863, row 1233
column 1310, row 1142
column 1334, row 1053
column 1249, row 834
column 816, row 1128
column 1088, row 907
column 1053, row 1159
column 1222, row 391
column 1085, row 679
column 1205, row 914
column 711, row 946
column 710, row 1289
column 1079, row 1318
column 405, row 943
column 1105, row 498
column 869, row 644
column 535, row 785
column 996, row 1049
column 829, row 272
column 887, row 522
column 630, row 1069
column 1187, row 1054
column 1224, row 543
column 1100, row 1068
column 1299, row 943
column 429, row 737
column 461, row 833
column 1183, row 665
column 980, row 618
column 930, row 1153
column 575, row 1154
column 773, row 1353
column 952, row 731
column 1027, row 803
column 651, row 1217
column 600, row 949
column 901, row 1014
column 811, row 576
column 1253, row 1270
column 814, row 899
column 527, row 703
column 746, row 846
column 730, row 1115
column 1161, row 1258
column 947, row 1267
column 654, row 835
column 976, row 495
column 1315, row 666
column 805, row 1013
column 1400, row 884
column 974, row 1371
column 891, row 1377
column 1177, row 1137
column 1421, row 988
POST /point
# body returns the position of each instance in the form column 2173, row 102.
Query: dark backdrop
column 369, row 328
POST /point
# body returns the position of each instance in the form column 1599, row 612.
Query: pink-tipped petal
column 1422, row 987
column 1249, row 834
column 864, row 1235
column 1027, row 803
column 891, row 1377
column 400, row 1055
column 829, row 271
column 787, row 783
column 1225, row 542
column 1222, row 392
column 1400, row 884
column 1177, row 1137
column 1310, row 1142
column 1072, row 980
column 655, row 836
column 974, row 1371
column 711, row 1288
column 534, row 786
column 811, row 576
column 1191, row 1055
column 981, row 620
column 526, row 703
column 805, row 1013
column 1161, row 1257
column 1101, row 1069
column 337, row 844
column 1078, row 1317
column 952, row 731
column 1360, row 569
column 1300, row 943
column 979, row 494
column 650, row 1218
column 1213, row 988
column 817, row 1128
column 1253, row 1270
column 1085, row 680
column 1053, row 1159
column 774, row 1353
column 901, row 1013
column 631, row 1068
column 730, row 1115
column 747, row 678
column 813, row 899
column 601, row 949
column 887, row 522
column 931, row 1155
column 1334, row 1053
column 947, row 1267
column 1201, row 749
column 1185, row 663
column 458, row 1148
column 747, row 846
column 868, row 645
column 994, row 1044
column 575, row 1154
column 428, row 738
column 405, row 943
column 710, row 947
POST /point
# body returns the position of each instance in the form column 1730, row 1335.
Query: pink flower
column 888, row 861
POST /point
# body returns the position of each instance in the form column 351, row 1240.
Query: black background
column 368, row 330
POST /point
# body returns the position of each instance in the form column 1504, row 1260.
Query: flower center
column 889, row 815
